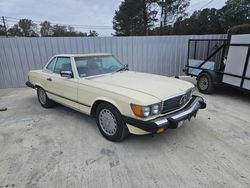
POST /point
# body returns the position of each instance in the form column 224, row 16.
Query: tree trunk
column 161, row 30
column 145, row 18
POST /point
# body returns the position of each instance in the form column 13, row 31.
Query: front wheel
column 205, row 83
column 43, row 98
column 110, row 123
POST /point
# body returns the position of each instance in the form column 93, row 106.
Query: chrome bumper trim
column 188, row 112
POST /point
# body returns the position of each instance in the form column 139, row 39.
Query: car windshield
column 97, row 65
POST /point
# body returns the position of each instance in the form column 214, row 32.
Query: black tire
column 43, row 98
column 205, row 83
column 110, row 132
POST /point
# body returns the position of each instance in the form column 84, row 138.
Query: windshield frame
column 86, row 77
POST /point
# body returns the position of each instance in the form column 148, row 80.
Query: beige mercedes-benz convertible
column 122, row 101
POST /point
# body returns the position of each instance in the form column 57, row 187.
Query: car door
column 47, row 73
column 62, row 89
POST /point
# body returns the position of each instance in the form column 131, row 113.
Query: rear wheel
column 205, row 83
column 110, row 123
column 43, row 98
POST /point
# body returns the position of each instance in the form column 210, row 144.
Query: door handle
column 49, row 79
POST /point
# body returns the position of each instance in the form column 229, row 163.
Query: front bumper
column 169, row 121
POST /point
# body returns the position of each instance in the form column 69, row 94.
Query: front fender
column 106, row 99
column 38, row 85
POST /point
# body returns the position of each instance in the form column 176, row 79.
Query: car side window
column 62, row 64
column 51, row 65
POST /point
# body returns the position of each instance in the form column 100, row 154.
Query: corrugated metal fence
column 165, row 55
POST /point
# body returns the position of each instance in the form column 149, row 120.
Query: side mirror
column 126, row 67
column 66, row 74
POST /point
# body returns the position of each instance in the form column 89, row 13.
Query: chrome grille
column 177, row 102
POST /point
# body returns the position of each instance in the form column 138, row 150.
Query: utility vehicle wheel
column 43, row 98
column 110, row 123
column 205, row 83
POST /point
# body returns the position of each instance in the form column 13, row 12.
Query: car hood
column 157, row 86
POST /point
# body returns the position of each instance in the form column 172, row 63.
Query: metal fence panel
column 164, row 55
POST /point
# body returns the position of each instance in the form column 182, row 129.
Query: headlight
column 146, row 111
column 155, row 109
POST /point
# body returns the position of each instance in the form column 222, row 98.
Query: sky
column 77, row 12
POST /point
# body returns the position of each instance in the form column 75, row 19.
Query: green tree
column 59, row 30
column 215, row 21
column 25, row 28
column 71, row 32
column 46, row 29
column 239, row 29
column 15, row 31
column 81, row 34
column 135, row 17
column 93, row 33
column 172, row 10
column 236, row 12
column 207, row 21
column 2, row 30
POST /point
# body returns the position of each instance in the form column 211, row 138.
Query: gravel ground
column 60, row 147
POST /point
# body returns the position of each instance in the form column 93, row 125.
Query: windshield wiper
column 122, row 69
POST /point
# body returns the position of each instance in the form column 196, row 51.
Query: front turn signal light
column 137, row 109
column 160, row 130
